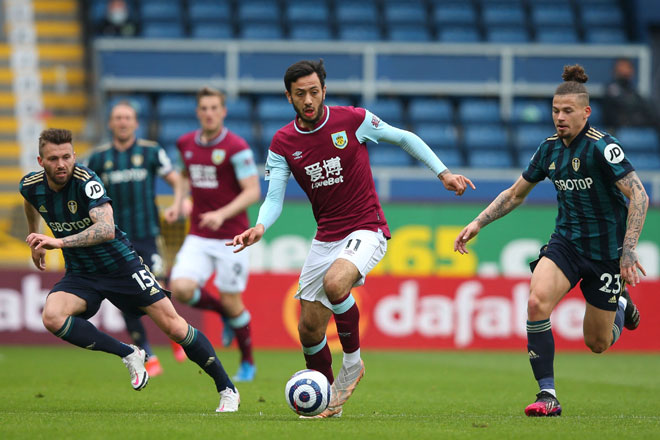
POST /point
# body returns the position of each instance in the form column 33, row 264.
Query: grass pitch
column 61, row 392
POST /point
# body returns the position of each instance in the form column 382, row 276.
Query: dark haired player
column 324, row 148
column 594, row 238
column 100, row 264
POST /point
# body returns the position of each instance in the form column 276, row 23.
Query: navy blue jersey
column 592, row 212
column 129, row 177
column 66, row 212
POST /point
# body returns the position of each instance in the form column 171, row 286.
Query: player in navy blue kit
column 595, row 233
column 100, row 264
column 128, row 167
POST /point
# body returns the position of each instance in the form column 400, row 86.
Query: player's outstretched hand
column 466, row 235
column 247, row 238
column 629, row 264
column 41, row 241
column 456, row 182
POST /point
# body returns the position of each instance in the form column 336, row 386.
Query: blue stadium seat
column 240, row 108
column 485, row 137
column 244, row 129
column 317, row 32
column 430, row 110
column 506, row 35
column 550, row 14
column 454, row 14
column 451, row 157
column 606, row 35
column 459, row 35
column 176, row 105
column 643, row 139
column 405, row 13
column 268, row 130
column 216, row 12
column 307, row 12
column 490, row 159
column 162, row 30
column 169, row 130
column 388, row 155
column 274, row 109
column 529, row 136
column 602, row 15
column 531, row 111
column 555, row 35
column 258, row 12
column 524, row 156
column 156, row 10
column 389, row 110
column 504, row 13
column 438, row 135
column 644, row 161
column 140, row 102
column 339, row 100
column 408, row 33
column 479, row 110
column 359, row 33
column 217, row 31
column 357, row 13
column 261, row 31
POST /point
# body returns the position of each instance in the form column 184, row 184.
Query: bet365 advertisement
column 421, row 296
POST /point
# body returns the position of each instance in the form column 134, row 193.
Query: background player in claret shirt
column 595, row 233
column 223, row 179
column 100, row 264
column 128, row 168
column 324, row 148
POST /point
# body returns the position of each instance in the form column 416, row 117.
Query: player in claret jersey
column 595, row 233
column 223, row 181
column 101, row 264
column 324, row 148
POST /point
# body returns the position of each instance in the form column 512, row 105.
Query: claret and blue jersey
column 592, row 211
column 66, row 212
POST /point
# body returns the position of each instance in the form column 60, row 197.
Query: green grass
column 62, row 392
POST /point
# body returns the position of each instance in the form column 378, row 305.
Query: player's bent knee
column 597, row 345
column 537, row 309
column 53, row 321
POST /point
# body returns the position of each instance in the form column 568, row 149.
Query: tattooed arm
column 632, row 187
column 102, row 229
column 504, row 203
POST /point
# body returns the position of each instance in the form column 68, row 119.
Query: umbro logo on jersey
column 42, row 208
column 153, row 291
column 297, row 155
column 552, row 166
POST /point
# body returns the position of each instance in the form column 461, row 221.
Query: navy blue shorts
column 601, row 279
column 147, row 248
column 129, row 288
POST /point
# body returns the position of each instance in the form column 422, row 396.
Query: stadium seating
column 644, row 161
column 461, row 129
column 388, row 155
column 640, row 139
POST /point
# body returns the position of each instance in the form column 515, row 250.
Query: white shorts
column 199, row 257
column 362, row 248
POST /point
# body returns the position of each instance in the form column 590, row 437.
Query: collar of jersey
column 219, row 138
column 327, row 116
column 579, row 137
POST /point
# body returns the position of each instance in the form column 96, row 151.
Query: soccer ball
column 307, row 392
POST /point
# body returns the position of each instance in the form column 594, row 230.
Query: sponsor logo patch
column 613, row 153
